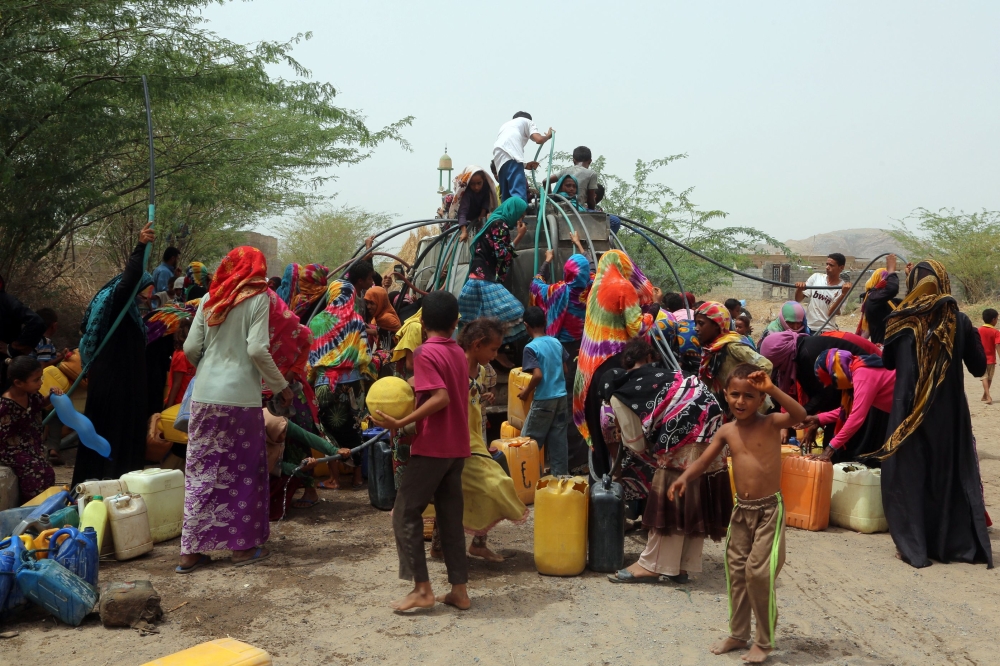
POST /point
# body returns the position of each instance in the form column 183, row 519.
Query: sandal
column 626, row 576
column 253, row 559
column 322, row 484
column 201, row 561
column 304, row 503
column 680, row 579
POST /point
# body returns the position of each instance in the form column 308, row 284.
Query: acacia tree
column 968, row 244
column 644, row 199
column 233, row 144
column 327, row 237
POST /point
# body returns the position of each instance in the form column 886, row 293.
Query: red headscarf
column 242, row 274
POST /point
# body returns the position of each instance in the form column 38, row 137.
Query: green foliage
column 233, row 144
column 327, row 237
column 968, row 244
column 644, row 199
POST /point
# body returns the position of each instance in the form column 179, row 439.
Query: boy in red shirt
column 437, row 456
column 990, row 336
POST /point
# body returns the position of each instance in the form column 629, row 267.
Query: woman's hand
column 488, row 398
column 548, row 255
column 344, row 453
column 463, row 235
column 147, row 235
column 822, row 457
column 285, row 396
column 809, row 422
column 308, row 463
column 522, row 229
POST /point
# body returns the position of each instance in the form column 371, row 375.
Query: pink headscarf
column 780, row 349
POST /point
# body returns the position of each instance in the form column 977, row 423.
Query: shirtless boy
column 755, row 545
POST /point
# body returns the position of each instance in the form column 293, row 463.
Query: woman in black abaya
column 931, row 489
column 116, row 386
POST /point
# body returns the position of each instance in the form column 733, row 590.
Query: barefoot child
column 437, row 456
column 990, row 336
column 21, row 411
column 755, row 545
column 488, row 492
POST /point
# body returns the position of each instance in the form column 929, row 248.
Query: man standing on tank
column 508, row 154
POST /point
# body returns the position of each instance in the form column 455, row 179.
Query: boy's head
column 171, row 256
column 183, row 328
column 989, row 316
column 581, row 156
column 637, row 352
column 361, row 274
column 481, row 338
column 835, row 263
column 600, row 193
column 744, row 400
column 534, row 320
column 522, row 114
column 25, row 373
column 742, row 324
column 672, row 301
column 51, row 319
column 179, row 287
column 439, row 313
column 734, row 307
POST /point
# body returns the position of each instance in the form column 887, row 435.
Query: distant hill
column 859, row 243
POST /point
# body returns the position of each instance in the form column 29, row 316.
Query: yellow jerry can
column 523, row 463
column 517, row 409
column 221, row 652
column 561, row 525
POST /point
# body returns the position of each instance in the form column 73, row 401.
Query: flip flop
column 680, row 579
column 253, row 559
column 627, row 577
column 202, row 560
column 322, row 484
column 304, row 503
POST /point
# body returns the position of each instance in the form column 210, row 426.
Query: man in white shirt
column 823, row 303
column 508, row 154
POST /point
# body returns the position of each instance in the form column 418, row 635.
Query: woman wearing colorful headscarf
column 568, row 188
column 614, row 316
column 722, row 349
column 289, row 286
column 312, row 281
column 198, row 280
column 483, row 295
column 475, row 198
column 877, row 301
column 338, row 358
column 384, row 320
column 116, row 389
column 860, row 421
column 931, row 487
column 564, row 302
column 791, row 317
column 226, row 485
column 793, row 356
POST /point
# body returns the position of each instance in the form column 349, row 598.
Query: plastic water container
column 107, row 488
column 56, row 589
column 129, row 523
column 856, row 498
column 48, row 506
column 9, row 495
column 46, row 494
column 163, row 491
column 67, row 516
column 11, row 596
column 170, row 433
column 561, row 525
column 95, row 515
column 11, row 518
column 805, row 487
column 606, row 526
column 501, row 459
column 78, row 552
column 381, row 487
column 522, row 463
column 517, row 409
column 507, row 431
column 220, row 652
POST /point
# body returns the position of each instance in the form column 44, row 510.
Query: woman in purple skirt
column 226, row 489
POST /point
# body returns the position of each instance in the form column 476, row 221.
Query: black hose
column 687, row 306
column 720, row 265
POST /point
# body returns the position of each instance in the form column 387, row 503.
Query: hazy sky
column 797, row 117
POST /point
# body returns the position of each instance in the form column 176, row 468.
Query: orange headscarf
column 242, row 274
column 385, row 316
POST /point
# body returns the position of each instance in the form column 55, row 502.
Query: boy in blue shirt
column 548, row 418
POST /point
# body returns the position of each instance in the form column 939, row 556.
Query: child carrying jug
column 755, row 545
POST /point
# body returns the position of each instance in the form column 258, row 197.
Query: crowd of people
column 243, row 349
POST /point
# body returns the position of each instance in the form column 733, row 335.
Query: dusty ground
column 323, row 597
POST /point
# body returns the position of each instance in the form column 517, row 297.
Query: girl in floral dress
column 21, row 410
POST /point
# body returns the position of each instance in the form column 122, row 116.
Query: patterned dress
column 21, row 446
